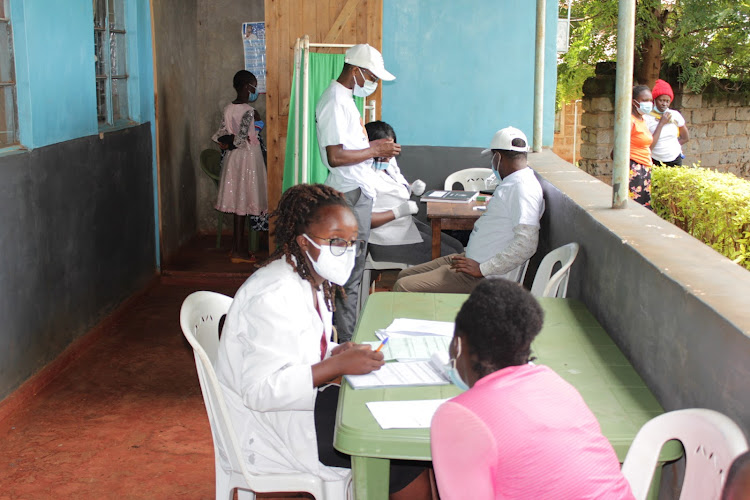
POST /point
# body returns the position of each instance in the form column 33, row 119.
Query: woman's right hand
column 359, row 359
column 346, row 359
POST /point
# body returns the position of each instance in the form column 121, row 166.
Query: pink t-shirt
column 523, row 432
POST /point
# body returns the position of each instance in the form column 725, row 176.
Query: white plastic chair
column 365, row 289
column 472, row 179
column 547, row 284
column 711, row 440
column 199, row 319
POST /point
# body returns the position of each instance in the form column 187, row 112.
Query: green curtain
column 322, row 69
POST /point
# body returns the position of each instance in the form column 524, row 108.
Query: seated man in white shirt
column 396, row 236
column 504, row 237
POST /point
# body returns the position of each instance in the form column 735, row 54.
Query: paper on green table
column 404, row 414
column 413, row 347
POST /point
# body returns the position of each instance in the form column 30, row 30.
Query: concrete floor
column 126, row 418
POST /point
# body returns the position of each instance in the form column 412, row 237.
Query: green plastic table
column 571, row 342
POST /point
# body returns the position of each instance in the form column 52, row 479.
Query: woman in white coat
column 396, row 236
column 275, row 350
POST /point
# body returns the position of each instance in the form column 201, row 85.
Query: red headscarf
column 662, row 88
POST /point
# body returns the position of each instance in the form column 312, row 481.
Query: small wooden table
column 444, row 215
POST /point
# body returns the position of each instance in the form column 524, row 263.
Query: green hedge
column 712, row 206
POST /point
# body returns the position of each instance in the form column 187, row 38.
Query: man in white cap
column 347, row 152
column 503, row 238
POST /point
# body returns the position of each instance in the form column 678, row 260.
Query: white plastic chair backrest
column 199, row 319
column 711, row 440
column 545, row 283
column 472, row 179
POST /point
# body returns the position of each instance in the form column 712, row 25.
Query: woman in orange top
column 640, row 151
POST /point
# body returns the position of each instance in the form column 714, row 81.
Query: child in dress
column 242, row 189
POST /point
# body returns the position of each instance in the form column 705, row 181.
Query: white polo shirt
column 668, row 147
column 338, row 121
column 517, row 200
column 392, row 190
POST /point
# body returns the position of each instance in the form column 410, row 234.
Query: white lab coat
column 392, row 190
column 271, row 338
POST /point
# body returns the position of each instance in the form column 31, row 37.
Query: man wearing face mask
column 348, row 153
column 504, row 237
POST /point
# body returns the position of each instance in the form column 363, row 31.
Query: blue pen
column 382, row 344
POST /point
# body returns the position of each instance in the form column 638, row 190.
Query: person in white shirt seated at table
column 275, row 357
column 504, row 237
column 396, row 236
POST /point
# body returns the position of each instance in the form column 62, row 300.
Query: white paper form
column 399, row 375
column 408, row 326
column 404, row 414
column 413, row 347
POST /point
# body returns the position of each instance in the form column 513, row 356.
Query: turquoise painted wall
column 464, row 69
column 54, row 52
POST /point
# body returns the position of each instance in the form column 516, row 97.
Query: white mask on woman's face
column 453, row 371
column 335, row 269
column 366, row 89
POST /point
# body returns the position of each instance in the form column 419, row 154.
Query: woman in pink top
column 520, row 431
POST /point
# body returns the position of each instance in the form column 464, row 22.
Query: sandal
column 244, row 260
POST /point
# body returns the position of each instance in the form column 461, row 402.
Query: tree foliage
column 706, row 41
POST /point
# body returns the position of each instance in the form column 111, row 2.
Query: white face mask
column 645, row 107
column 335, row 269
column 453, row 371
column 495, row 168
column 366, row 89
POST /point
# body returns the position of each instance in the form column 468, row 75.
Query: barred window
column 111, row 57
column 8, row 106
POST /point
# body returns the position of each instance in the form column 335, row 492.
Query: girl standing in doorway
column 242, row 189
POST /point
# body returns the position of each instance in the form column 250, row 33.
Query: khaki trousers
column 435, row 276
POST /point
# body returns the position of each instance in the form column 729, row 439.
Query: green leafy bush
column 712, row 206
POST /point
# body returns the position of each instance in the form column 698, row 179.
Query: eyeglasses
column 338, row 246
column 370, row 75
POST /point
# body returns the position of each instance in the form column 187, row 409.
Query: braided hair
column 298, row 208
column 498, row 321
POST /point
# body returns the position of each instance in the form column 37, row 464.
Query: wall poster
column 254, row 45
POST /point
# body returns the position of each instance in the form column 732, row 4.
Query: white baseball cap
column 365, row 56
column 503, row 139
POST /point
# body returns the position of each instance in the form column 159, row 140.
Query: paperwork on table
column 428, row 372
column 401, row 327
column 413, row 348
column 404, row 414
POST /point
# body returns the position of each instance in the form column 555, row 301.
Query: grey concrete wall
column 76, row 238
column 177, row 91
column 220, row 56
column 198, row 46
column 677, row 309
